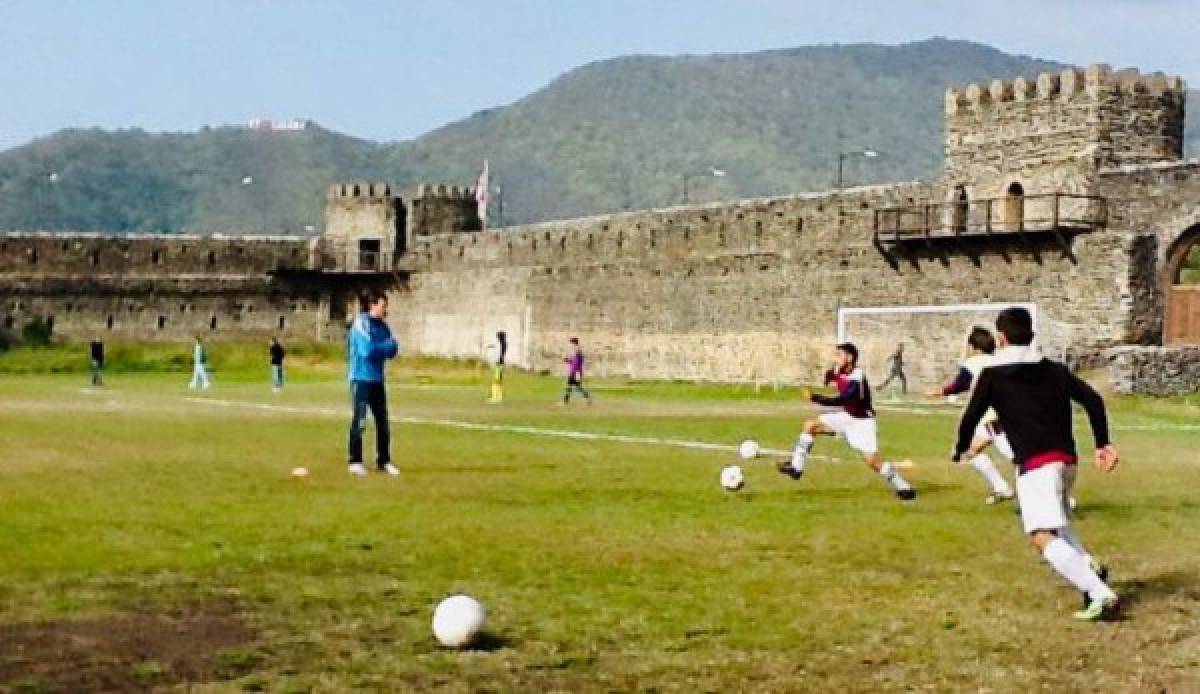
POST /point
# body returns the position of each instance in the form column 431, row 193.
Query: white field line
column 936, row 409
column 505, row 428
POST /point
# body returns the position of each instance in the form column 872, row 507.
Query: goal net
column 933, row 338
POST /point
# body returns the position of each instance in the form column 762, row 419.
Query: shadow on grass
column 488, row 642
column 1164, row 585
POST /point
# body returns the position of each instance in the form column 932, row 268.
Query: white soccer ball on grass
column 732, row 478
column 749, row 449
column 458, row 620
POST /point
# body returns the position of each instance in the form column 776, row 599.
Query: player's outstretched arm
column 1093, row 404
column 981, row 400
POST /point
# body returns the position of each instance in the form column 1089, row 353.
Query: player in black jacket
column 1033, row 396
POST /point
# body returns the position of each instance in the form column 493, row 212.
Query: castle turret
column 443, row 209
column 1053, row 134
column 365, row 227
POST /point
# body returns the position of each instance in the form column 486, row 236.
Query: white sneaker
column 997, row 497
column 390, row 469
column 357, row 469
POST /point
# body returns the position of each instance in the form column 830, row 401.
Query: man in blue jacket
column 369, row 345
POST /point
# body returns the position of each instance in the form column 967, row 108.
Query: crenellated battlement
column 359, row 190
column 441, row 191
column 1092, row 83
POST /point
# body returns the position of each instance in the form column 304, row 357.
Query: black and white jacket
column 1032, row 396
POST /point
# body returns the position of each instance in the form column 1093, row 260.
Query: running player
column 856, row 422
column 574, row 364
column 1033, row 395
column 982, row 347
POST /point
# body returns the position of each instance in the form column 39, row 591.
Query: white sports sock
column 1074, row 567
column 888, row 472
column 984, row 465
column 804, row 444
column 1068, row 535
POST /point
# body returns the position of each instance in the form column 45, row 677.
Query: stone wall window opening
column 95, row 258
column 162, row 322
column 156, row 257
column 50, row 325
column 369, row 254
column 33, row 256
column 9, row 322
column 108, row 323
column 282, row 322
column 212, row 258
column 212, row 323
column 1014, row 206
column 959, row 208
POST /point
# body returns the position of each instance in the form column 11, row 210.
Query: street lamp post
column 713, row 172
column 865, row 153
column 247, row 182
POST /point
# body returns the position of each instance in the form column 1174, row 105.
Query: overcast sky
column 393, row 70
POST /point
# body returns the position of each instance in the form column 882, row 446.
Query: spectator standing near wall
column 277, row 355
column 200, row 377
column 96, row 354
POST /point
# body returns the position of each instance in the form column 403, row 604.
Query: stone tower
column 365, row 227
column 442, row 209
column 1054, row 134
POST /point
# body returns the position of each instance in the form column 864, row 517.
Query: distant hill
column 616, row 134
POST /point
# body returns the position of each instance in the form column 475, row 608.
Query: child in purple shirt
column 575, row 373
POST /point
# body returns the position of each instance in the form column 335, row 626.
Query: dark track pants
column 370, row 395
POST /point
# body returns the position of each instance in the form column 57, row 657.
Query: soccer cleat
column 1098, row 609
column 906, row 494
column 357, row 469
column 390, row 469
column 785, row 468
column 997, row 497
column 1101, row 571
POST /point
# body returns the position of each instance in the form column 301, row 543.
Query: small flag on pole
column 481, row 194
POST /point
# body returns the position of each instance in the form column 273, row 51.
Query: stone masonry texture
column 745, row 291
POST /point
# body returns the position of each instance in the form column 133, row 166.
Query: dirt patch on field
column 129, row 652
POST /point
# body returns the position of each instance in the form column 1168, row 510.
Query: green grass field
column 152, row 537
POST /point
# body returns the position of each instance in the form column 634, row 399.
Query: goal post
column 933, row 335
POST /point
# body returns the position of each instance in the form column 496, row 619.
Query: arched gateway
column 1182, row 282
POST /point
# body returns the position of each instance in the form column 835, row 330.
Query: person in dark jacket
column 369, row 345
column 96, row 354
column 1032, row 396
column 277, row 354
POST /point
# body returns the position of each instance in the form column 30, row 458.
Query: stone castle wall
column 745, row 291
column 157, row 287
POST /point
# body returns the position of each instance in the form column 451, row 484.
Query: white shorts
column 997, row 439
column 1044, row 495
column 860, row 433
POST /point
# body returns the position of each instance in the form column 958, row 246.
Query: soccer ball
column 748, row 450
column 458, row 620
column 732, row 478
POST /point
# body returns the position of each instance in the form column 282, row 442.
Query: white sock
column 804, row 444
column 984, row 465
column 1068, row 535
column 1074, row 567
column 888, row 472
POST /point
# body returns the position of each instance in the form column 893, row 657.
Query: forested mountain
column 616, row 134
